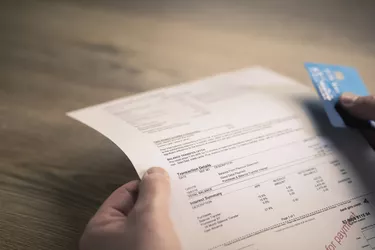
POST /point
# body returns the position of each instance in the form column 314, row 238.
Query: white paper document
column 254, row 163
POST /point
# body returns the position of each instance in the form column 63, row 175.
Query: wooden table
column 57, row 56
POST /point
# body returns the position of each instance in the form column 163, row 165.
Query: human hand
column 134, row 217
column 362, row 107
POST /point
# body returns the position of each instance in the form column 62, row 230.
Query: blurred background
column 61, row 55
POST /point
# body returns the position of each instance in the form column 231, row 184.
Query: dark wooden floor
column 57, row 56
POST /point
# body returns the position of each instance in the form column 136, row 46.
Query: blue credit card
column 330, row 81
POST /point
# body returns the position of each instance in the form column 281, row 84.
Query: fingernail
column 157, row 170
column 348, row 99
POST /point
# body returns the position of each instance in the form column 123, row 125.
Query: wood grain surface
column 57, row 56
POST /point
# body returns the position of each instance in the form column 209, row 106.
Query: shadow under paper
column 347, row 142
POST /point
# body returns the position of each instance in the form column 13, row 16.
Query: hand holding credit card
column 331, row 81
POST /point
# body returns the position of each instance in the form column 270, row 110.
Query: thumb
column 154, row 191
column 362, row 107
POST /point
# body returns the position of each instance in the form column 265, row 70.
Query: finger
column 122, row 199
column 154, row 190
column 362, row 107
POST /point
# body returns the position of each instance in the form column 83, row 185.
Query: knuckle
column 143, row 210
column 367, row 100
column 156, row 180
